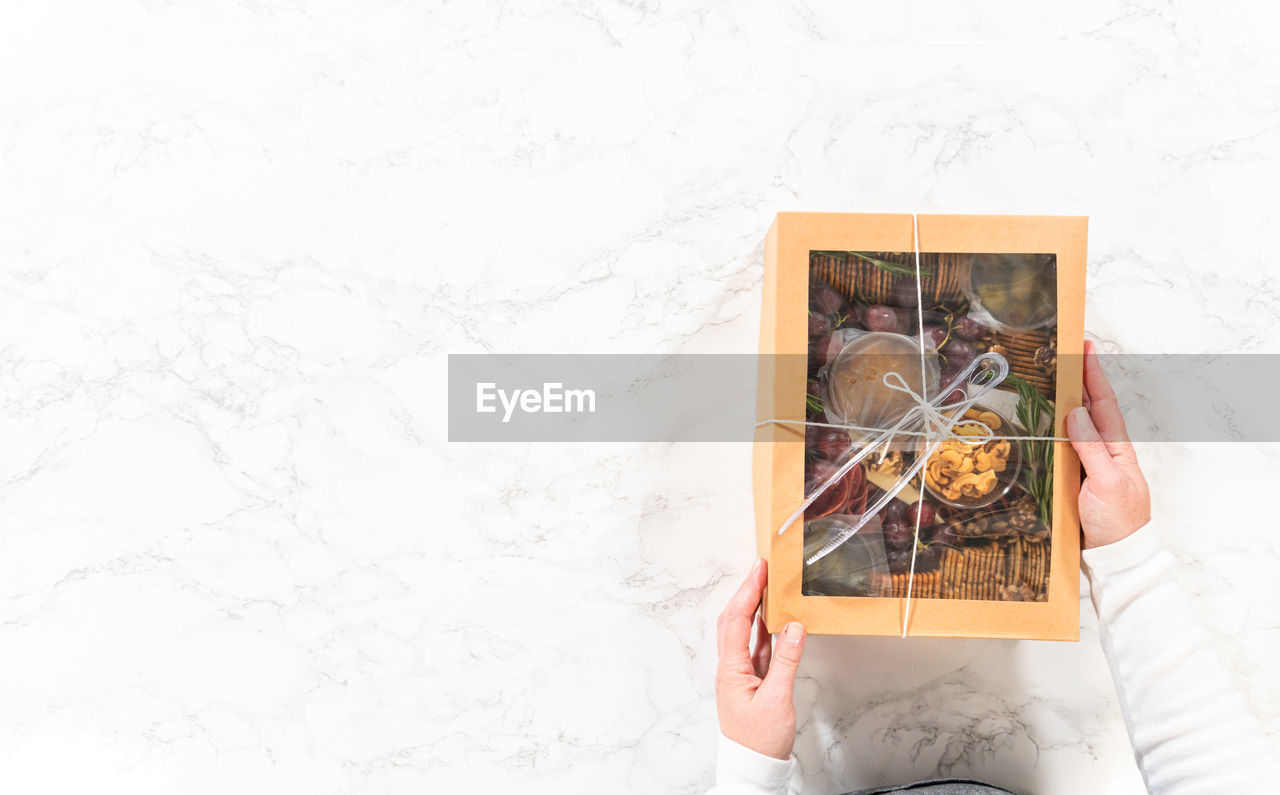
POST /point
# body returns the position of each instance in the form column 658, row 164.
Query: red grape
column 895, row 511
column 969, row 328
column 818, row 350
column 825, row 299
column 928, row 558
column 829, row 347
column 899, row 560
column 949, row 375
column 904, row 292
column 881, row 318
column 959, row 353
column 935, row 335
column 924, row 510
column 819, row 471
column 898, row 534
column 819, row 326
column 850, row 318
column 945, row 535
column 832, row 443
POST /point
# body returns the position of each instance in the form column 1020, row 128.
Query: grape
column 904, row 293
column 935, row 335
column 929, row 532
column 815, row 389
column 924, row 510
column 956, row 396
column 959, row 353
column 928, row 558
column 819, row 326
column 825, row 299
column 818, row 350
column 895, row 511
column 812, row 433
column 819, row 471
column 854, row 315
column 829, row 347
column 881, row 318
column 945, row 535
column 898, row 534
column 899, row 560
column 849, row 320
column 969, row 328
column 949, row 374
column 832, row 443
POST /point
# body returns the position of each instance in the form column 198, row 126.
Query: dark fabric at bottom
column 950, row 786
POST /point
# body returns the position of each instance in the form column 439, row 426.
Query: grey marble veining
column 237, row 242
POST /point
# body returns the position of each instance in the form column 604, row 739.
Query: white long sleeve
column 1191, row 730
column 741, row 771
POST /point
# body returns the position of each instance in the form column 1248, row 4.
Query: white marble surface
column 237, row 241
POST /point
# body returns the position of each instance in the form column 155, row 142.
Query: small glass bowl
column 1004, row 480
column 1017, row 293
column 853, row 388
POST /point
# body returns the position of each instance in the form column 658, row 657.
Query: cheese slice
column 886, row 481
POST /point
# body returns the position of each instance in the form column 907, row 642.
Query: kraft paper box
column 997, row 554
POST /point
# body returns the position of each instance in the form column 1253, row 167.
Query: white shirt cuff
column 1127, row 553
column 739, row 769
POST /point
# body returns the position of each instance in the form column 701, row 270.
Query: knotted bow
column 938, row 422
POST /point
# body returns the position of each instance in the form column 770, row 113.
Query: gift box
column 910, row 471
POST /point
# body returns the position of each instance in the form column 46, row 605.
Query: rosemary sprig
column 1037, row 478
column 894, row 268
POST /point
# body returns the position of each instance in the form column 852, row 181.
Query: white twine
column 925, row 434
column 924, row 389
column 938, row 421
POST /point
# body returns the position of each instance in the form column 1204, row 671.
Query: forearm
column 1190, row 727
column 741, row 771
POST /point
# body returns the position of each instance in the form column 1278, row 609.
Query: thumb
column 781, row 679
column 1088, row 444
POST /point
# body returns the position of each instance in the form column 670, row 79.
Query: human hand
column 754, row 689
column 1114, row 501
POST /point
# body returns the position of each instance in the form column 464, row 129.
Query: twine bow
column 938, row 422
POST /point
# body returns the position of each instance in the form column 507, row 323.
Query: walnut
column 1046, row 358
column 889, row 464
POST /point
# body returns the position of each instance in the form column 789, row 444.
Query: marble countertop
column 237, row 242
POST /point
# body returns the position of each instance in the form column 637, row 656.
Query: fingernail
column 755, row 567
column 1080, row 422
column 793, row 632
